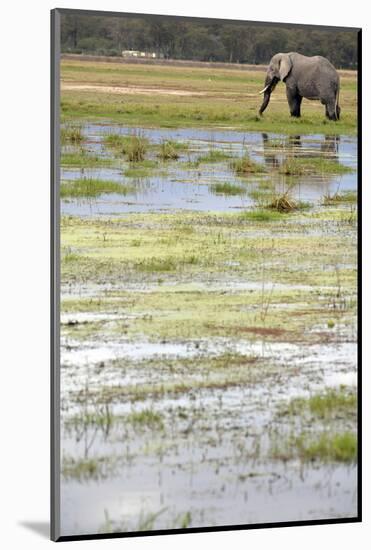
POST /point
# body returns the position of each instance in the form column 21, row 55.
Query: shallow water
column 212, row 462
column 192, row 189
column 278, row 495
column 214, row 472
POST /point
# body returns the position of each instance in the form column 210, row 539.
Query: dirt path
column 129, row 90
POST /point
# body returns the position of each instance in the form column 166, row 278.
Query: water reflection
column 179, row 185
column 330, row 145
column 278, row 151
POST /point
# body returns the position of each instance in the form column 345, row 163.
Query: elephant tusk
column 264, row 89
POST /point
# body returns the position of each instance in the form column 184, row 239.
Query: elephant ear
column 285, row 66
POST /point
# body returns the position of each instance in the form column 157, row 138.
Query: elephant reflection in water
column 293, row 147
column 277, row 152
column 330, row 146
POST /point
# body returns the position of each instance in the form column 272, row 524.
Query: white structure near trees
column 137, row 53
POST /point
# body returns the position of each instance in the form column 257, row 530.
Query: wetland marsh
column 208, row 306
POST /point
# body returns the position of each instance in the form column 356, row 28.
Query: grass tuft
column 282, row 202
column 156, row 264
column 168, row 151
column 70, row 257
column 214, row 156
column 90, row 187
column 140, row 169
column 326, row 405
column 86, row 469
column 228, row 189
column 320, row 165
column 261, row 215
column 71, row 133
column 245, row 165
column 146, row 417
column 135, row 149
column 116, row 141
column 324, row 447
column 336, row 198
column 83, row 160
column 330, row 448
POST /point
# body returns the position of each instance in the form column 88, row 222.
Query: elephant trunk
column 264, row 105
column 269, row 86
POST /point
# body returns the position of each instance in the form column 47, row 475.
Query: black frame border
column 55, row 53
column 55, row 277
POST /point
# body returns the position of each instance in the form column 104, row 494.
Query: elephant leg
column 294, row 101
column 332, row 110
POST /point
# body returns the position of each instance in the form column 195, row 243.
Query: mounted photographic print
column 205, row 268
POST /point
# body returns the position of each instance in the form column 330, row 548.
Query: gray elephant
column 309, row 77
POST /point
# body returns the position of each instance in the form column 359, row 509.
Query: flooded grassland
column 208, row 328
column 208, row 306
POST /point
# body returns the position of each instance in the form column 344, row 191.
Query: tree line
column 202, row 40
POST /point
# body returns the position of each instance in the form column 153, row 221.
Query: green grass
column 329, row 448
column 262, row 215
column 156, row 264
column 261, row 195
column 278, row 143
column 168, row 151
column 116, row 141
column 228, row 189
column 229, row 98
column 192, row 246
column 283, row 202
column 85, row 469
column 183, row 521
column 328, row 409
column 154, row 112
column 135, row 149
column 137, row 173
column 71, row 133
column 80, row 469
column 322, row 447
column 90, row 187
column 141, row 169
column 134, row 146
column 81, row 159
column 245, row 166
column 179, row 145
column 332, row 403
column 145, row 522
column 270, row 199
column 191, row 164
column 101, row 418
column 70, row 257
column 214, row 156
column 300, row 166
column 146, row 417
column 338, row 198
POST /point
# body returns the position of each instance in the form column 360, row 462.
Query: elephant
column 309, row 77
